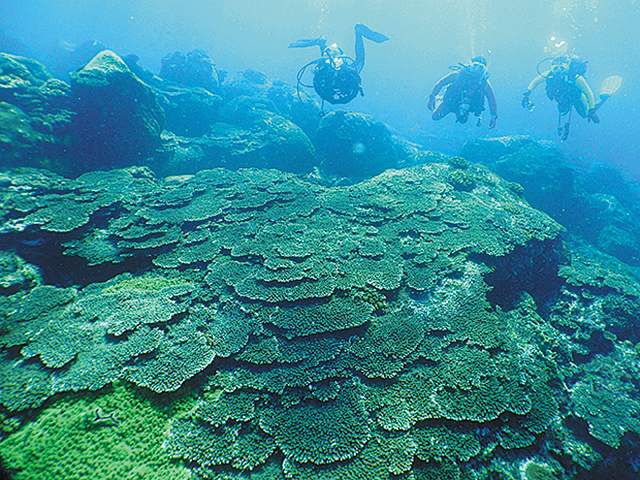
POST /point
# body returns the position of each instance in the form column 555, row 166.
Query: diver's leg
column 320, row 41
column 581, row 105
column 359, row 49
column 366, row 32
column 369, row 34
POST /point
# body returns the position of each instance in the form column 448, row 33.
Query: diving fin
column 320, row 42
column 610, row 86
column 369, row 34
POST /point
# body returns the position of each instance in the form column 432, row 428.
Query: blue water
column 426, row 38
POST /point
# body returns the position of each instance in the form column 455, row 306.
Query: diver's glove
column 494, row 119
column 526, row 101
column 432, row 102
column 592, row 116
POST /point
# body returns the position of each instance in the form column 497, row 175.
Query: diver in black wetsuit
column 336, row 77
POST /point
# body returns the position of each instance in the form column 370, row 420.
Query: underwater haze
column 207, row 274
column 426, row 37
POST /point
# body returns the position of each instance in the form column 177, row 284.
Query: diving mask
column 560, row 65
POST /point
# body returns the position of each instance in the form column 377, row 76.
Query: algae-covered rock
column 282, row 99
column 195, row 69
column 248, row 135
column 489, row 150
column 36, row 111
column 118, row 120
column 189, row 112
column 354, row 146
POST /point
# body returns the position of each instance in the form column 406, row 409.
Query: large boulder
column 35, row 115
column 195, row 69
column 189, row 112
column 489, row 150
column 119, row 120
column 354, row 146
column 249, row 135
column 547, row 180
column 278, row 97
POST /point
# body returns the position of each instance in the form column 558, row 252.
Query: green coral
column 340, row 430
column 339, row 313
column 535, row 471
column 341, row 332
column 114, row 433
column 464, row 180
column 440, row 443
column 458, row 162
column 240, row 447
column 609, row 413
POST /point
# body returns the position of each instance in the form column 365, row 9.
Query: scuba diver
column 466, row 88
column 566, row 85
column 336, row 77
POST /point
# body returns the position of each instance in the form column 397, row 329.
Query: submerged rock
column 249, row 135
column 278, row 97
column 118, row 120
column 354, row 146
column 189, row 112
column 36, row 112
column 603, row 211
column 195, row 69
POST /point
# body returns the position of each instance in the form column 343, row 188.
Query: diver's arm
column 493, row 106
column 526, row 102
column 537, row 81
column 446, row 80
column 582, row 84
column 491, row 98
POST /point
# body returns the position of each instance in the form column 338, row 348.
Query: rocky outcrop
column 118, row 121
column 195, row 69
column 598, row 206
column 354, row 146
column 36, row 112
column 279, row 97
column 249, row 135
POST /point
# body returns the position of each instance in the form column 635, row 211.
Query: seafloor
column 211, row 281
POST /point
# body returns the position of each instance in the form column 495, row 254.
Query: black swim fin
column 369, row 34
column 320, row 42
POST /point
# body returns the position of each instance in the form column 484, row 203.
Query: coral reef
column 358, row 322
column 115, row 433
column 597, row 205
column 346, row 327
